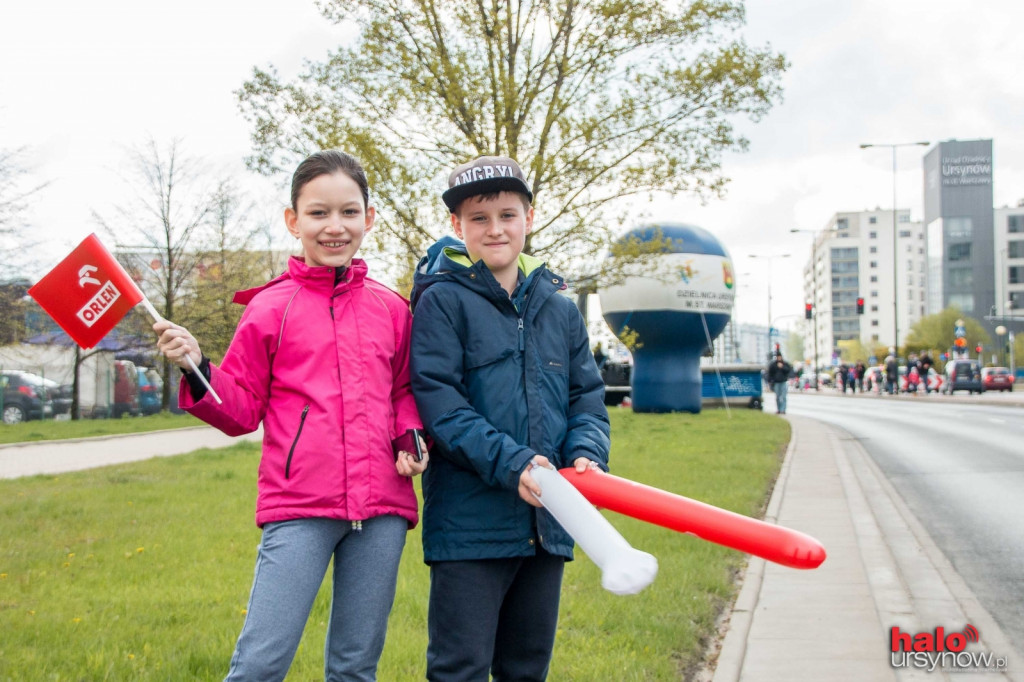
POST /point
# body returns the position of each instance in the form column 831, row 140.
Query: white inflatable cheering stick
column 624, row 570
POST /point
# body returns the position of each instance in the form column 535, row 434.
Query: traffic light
column 961, row 342
column 808, row 310
column 860, row 306
column 978, row 349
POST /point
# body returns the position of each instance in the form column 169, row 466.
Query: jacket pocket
column 291, row 451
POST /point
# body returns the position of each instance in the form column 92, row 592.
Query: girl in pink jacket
column 321, row 359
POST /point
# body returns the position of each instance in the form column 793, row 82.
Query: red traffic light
column 860, row 306
column 960, row 342
column 978, row 349
column 808, row 310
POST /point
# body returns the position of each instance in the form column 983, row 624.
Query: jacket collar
column 448, row 259
column 316, row 278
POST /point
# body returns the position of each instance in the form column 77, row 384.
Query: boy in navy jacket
column 504, row 379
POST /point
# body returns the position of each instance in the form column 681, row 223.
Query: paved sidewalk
column 56, row 456
column 882, row 570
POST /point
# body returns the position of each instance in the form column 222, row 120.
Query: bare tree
column 155, row 232
column 16, row 193
column 232, row 257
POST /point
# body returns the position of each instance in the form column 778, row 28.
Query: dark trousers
column 493, row 616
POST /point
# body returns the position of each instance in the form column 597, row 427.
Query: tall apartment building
column 851, row 258
column 1009, row 244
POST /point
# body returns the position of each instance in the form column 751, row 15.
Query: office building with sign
column 959, row 227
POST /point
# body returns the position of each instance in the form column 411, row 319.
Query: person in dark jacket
column 892, row 373
column 926, row 364
column 777, row 374
column 504, row 379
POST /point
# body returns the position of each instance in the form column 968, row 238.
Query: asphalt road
column 959, row 465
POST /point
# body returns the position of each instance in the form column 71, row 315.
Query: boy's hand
column 529, row 490
column 582, row 464
column 406, row 463
column 176, row 344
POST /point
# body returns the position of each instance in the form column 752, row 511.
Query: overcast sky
column 80, row 83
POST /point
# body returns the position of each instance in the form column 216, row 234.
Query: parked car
column 997, row 379
column 24, row 397
column 126, row 389
column 60, row 394
column 617, row 381
column 151, row 387
column 963, row 375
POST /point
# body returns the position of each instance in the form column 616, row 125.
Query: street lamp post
column 1001, row 332
column 769, row 259
column 895, row 232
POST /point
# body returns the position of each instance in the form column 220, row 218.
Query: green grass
column 51, row 429
column 142, row 571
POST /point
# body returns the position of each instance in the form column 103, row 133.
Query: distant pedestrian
column 860, row 370
column 892, row 373
column 913, row 379
column 777, row 373
column 926, row 364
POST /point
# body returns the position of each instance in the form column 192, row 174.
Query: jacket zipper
column 302, row 422
column 522, row 342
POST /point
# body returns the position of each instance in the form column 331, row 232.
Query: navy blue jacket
column 498, row 380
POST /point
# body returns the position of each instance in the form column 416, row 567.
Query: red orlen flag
column 87, row 293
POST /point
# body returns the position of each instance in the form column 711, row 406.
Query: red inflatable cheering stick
column 768, row 541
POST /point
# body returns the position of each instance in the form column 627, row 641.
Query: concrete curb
column 733, row 650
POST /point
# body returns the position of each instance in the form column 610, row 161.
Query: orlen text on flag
column 87, row 293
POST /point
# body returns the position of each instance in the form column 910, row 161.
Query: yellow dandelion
column 76, row 620
column 3, row 576
column 243, row 611
column 131, row 657
column 31, row 612
column 66, row 564
column 71, row 555
column 139, row 550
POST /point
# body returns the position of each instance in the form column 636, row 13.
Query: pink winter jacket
column 326, row 369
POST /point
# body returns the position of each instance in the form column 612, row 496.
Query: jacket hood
column 448, row 259
column 311, row 276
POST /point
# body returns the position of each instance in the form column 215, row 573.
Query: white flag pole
column 158, row 318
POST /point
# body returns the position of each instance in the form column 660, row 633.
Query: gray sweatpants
column 293, row 557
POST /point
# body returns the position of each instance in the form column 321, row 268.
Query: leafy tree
column 853, row 351
column 794, row 346
column 601, row 101
column 937, row 332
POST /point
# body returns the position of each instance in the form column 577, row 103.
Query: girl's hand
column 529, row 490
column 406, row 464
column 176, row 344
column 582, row 464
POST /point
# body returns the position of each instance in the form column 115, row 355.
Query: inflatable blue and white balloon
column 676, row 312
